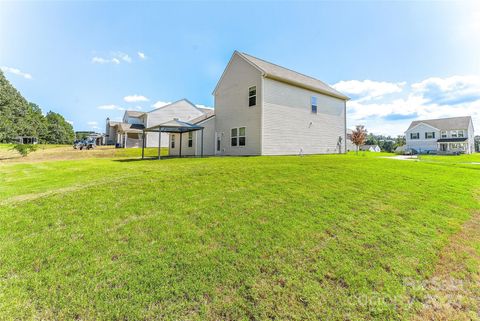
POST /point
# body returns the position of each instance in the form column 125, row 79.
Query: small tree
column 358, row 136
column 24, row 149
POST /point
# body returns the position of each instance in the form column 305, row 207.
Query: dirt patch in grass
column 454, row 289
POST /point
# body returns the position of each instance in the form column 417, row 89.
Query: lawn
column 332, row 237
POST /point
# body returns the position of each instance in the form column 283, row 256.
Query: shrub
column 24, row 149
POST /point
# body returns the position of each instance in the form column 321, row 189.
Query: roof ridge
column 272, row 63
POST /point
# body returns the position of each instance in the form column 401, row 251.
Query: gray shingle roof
column 134, row 113
column 208, row 113
column 277, row 72
column 445, row 123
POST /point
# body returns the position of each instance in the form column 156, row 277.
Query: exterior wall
column 289, row 126
column 422, row 144
column 196, row 149
column 232, row 110
column 183, row 110
column 471, row 138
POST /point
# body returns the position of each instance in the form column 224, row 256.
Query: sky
column 397, row 61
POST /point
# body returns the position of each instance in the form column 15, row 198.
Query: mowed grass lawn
column 332, row 237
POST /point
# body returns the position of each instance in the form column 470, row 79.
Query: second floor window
column 313, row 102
column 190, row 139
column 444, row 134
column 429, row 135
column 414, row 135
column 252, row 96
column 460, row 133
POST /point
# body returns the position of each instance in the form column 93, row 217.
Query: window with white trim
column 172, row 144
column 460, row 133
column 238, row 136
column 252, row 96
column 453, row 133
column 444, row 134
column 313, row 103
column 429, row 135
column 414, row 135
column 190, row 139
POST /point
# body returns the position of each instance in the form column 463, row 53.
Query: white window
column 252, row 96
column 429, row 135
column 238, row 137
column 460, row 133
column 444, row 134
column 313, row 103
column 190, row 139
column 453, row 133
column 173, row 140
column 414, row 135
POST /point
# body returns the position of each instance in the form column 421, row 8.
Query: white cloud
column 114, row 58
column 16, row 71
column 70, row 122
column 123, row 56
column 368, row 89
column 203, row 106
column 135, row 98
column 108, row 107
column 141, row 55
column 100, row 60
column 159, row 104
column 427, row 99
column 92, row 123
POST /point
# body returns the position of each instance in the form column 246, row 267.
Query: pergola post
column 180, row 151
column 201, row 144
column 124, row 140
column 159, row 141
column 143, row 145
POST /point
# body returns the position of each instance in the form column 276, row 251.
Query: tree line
column 18, row 117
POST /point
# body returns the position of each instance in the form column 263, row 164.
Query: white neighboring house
column 350, row 145
column 128, row 133
column 442, row 136
column 264, row 109
column 370, row 148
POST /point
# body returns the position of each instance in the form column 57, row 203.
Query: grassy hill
column 334, row 236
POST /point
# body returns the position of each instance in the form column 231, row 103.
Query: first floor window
column 252, row 96
column 238, row 136
column 173, row 140
column 234, row 136
column 241, row 136
column 313, row 103
column 190, row 139
column 430, row 135
column 218, row 143
column 414, row 135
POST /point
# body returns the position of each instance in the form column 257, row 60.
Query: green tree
column 59, row 131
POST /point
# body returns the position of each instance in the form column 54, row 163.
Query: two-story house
column 128, row 132
column 265, row 109
column 442, row 136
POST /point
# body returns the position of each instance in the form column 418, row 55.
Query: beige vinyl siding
column 232, row 110
column 182, row 110
column 196, row 149
column 422, row 144
column 290, row 127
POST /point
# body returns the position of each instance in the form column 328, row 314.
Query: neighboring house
column 264, row 109
column 128, row 133
column 370, row 148
column 442, row 136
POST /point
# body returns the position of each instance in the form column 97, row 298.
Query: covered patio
column 174, row 126
column 452, row 145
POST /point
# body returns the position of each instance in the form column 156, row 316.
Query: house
column 128, row 132
column 370, row 148
column 442, row 136
column 265, row 109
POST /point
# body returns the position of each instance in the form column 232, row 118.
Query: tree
column 358, row 136
column 59, row 131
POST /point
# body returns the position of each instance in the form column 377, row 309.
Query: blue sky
column 90, row 60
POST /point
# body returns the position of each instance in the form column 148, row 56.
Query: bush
column 24, row 149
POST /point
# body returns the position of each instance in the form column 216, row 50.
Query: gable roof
column 276, row 72
column 444, row 123
column 208, row 114
column 134, row 113
column 367, row 147
column 176, row 102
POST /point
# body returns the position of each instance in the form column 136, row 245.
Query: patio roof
column 174, row 126
column 451, row 140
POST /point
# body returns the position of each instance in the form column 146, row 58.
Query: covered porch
column 129, row 135
column 174, row 126
column 452, row 145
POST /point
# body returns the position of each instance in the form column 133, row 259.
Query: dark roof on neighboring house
column 134, row 113
column 283, row 74
column 451, row 140
column 445, row 123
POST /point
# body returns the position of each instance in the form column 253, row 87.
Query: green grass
column 335, row 236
